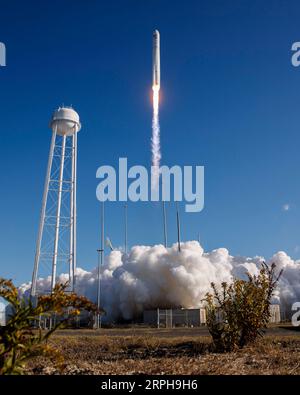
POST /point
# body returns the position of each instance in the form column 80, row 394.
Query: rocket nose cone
column 156, row 33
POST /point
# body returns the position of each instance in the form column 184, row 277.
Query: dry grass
column 162, row 355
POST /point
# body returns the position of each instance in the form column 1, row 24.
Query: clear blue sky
column 230, row 102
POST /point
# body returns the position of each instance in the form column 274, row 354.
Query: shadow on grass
column 290, row 328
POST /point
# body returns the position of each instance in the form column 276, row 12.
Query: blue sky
column 230, row 102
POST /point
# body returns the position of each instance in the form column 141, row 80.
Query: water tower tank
column 66, row 120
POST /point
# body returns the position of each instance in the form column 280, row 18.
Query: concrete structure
column 169, row 318
column 6, row 311
column 275, row 314
column 2, row 314
column 56, row 241
column 275, row 317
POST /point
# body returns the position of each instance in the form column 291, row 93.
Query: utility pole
column 178, row 227
column 100, row 263
column 126, row 240
column 165, row 224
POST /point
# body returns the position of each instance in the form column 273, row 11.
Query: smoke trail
column 155, row 140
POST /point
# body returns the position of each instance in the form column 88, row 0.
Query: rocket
column 156, row 60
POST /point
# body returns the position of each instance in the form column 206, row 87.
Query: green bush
column 19, row 340
column 238, row 312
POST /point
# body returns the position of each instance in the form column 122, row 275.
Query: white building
column 168, row 318
column 2, row 314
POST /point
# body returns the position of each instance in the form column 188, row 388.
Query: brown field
column 169, row 351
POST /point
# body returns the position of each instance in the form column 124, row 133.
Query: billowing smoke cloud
column 151, row 277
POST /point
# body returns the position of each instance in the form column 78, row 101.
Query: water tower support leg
column 60, row 188
column 42, row 217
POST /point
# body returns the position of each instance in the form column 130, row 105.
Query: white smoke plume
column 155, row 140
column 155, row 276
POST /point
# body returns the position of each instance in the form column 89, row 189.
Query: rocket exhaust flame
column 155, row 140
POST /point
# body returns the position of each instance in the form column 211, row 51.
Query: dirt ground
column 202, row 331
column 169, row 351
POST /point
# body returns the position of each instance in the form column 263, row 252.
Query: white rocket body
column 156, row 59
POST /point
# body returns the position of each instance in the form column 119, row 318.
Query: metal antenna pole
column 165, row 224
column 178, row 227
column 125, row 209
column 98, row 289
column 42, row 217
column 102, row 247
column 100, row 263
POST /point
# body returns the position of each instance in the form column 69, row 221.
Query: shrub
column 238, row 312
column 19, row 340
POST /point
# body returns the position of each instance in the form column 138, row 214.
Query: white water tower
column 56, row 242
